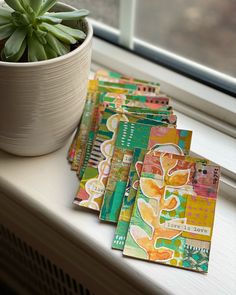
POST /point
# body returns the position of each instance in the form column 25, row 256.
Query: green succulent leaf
column 3, row 57
column 4, row 21
column 77, row 34
column 49, row 19
column 5, row 12
column 30, row 31
column 36, row 51
column 14, row 43
column 36, row 5
column 17, row 56
column 70, row 15
column 46, row 6
column 49, row 51
column 64, row 37
column 41, row 33
column 27, row 7
column 6, row 31
column 28, row 27
column 41, row 36
column 15, row 4
column 20, row 19
column 56, row 45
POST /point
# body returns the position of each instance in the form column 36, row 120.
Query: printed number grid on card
column 133, row 168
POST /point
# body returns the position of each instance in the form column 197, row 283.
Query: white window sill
column 45, row 187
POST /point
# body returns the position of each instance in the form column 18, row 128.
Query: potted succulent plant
column 44, row 66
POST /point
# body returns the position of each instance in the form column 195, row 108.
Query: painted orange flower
column 150, row 211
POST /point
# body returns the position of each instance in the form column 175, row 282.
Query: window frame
column 124, row 38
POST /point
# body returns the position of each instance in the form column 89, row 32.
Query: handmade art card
column 136, row 104
column 173, row 215
column 165, row 110
column 93, row 183
column 140, row 101
column 131, row 136
column 129, row 199
column 87, row 117
column 108, row 76
column 88, row 120
column 96, row 86
column 94, row 90
column 119, row 103
column 134, row 170
column 94, row 107
column 147, row 97
column 89, row 124
column 114, row 75
column 71, row 151
column 130, row 195
column 158, row 98
column 126, row 88
column 94, row 97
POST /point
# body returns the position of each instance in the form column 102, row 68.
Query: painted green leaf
column 14, row 43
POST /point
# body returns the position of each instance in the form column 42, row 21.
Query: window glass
column 203, row 31
column 104, row 11
column 198, row 30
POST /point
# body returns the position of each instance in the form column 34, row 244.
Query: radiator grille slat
column 31, row 269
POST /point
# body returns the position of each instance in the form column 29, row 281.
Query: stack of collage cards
column 135, row 170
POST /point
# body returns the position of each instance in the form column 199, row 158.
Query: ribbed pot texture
column 41, row 102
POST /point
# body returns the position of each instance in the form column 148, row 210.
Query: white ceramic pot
column 41, row 102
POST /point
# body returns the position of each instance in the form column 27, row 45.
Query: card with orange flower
column 94, row 180
column 173, row 215
column 131, row 136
